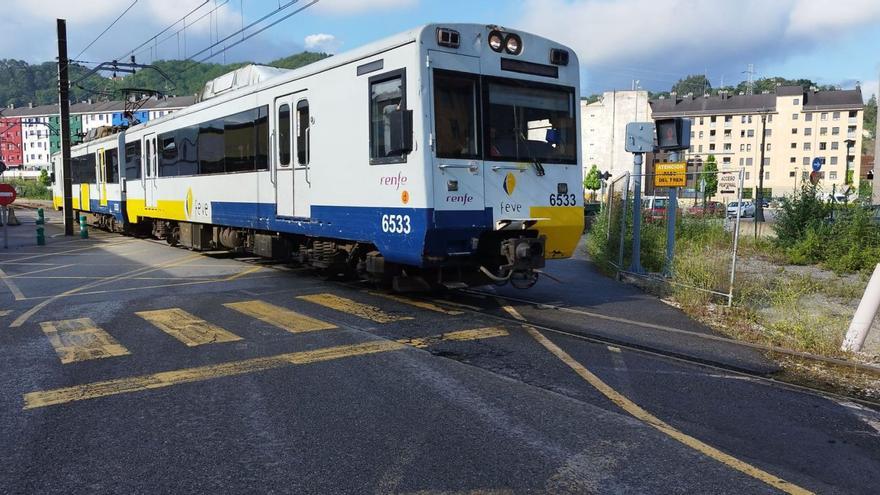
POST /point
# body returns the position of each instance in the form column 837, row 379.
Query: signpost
column 670, row 174
column 7, row 196
column 727, row 183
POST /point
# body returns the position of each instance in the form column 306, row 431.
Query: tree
column 697, row 84
column 592, row 181
column 44, row 178
column 710, row 176
column 870, row 125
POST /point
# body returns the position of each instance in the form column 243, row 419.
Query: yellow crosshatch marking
column 419, row 304
column 186, row 327
column 460, row 336
column 81, row 340
column 280, row 317
column 163, row 379
column 353, row 307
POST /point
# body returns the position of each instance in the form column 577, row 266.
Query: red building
column 10, row 141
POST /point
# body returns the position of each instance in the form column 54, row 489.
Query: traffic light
column 605, row 175
column 673, row 134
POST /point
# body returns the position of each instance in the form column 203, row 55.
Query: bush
column 799, row 214
column 32, row 189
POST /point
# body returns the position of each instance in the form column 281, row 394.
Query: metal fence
column 706, row 233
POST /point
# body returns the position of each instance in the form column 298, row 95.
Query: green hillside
column 22, row 83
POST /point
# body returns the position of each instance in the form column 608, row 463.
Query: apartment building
column 30, row 135
column 794, row 125
column 603, row 129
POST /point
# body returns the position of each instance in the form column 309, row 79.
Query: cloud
column 679, row 35
column 322, row 42
column 348, row 7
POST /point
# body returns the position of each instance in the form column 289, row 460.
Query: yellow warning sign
column 670, row 174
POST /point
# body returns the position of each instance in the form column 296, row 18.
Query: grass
column 772, row 302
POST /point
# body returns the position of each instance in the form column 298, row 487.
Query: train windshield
column 521, row 121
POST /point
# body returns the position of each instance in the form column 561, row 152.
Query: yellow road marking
column 16, row 292
column 419, row 304
column 643, row 415
column 43, row 255
column 360, row 310
column 510, row 310
column 133, row 273
column 5, row 312
column 243, row 273
column 280, row 317
column 163, row 379
column 80, row 340
column 187, row 328
column 460, row 336
column 458, row 304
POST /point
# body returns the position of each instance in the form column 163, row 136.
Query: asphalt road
column 127, row 366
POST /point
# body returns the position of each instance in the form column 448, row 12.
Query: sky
column 620, row 43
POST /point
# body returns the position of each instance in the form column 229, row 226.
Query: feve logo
column 509, row 183
column 188, row 204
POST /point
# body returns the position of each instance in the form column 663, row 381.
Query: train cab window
column 455, row 115
column 387, row 95
column 111, row 166
column 284, row 135
column 133, row 161
column 302, row 132
column 527, row 122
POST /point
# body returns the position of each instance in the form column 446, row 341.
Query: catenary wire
column 106, row 29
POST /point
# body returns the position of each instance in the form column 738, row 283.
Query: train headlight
column 496, row 41
column 513, row 44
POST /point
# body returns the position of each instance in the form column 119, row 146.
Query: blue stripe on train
column 426, row 233
column 115, row 208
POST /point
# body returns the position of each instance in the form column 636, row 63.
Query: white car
column 746, row 209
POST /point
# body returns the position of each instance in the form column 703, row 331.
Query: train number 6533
column 396, row 224
column 563, row 200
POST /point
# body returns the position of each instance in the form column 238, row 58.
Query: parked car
column 712, row 209
column 746, row 209
column 654, row 207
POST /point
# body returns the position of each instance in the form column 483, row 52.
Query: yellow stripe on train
column 563, row 226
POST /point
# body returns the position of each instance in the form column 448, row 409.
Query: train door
column 151, row 170
column 282, row 161
column 456, row 102
column 302, row 185
column 102, row 177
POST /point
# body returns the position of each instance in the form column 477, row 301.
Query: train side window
column 89, row 169
column 284, row 135
column 455, row 114
column 148, row 162
column 240, row 141
column 262, row 131
column 187, row 140
column 133, row 161
column 167, row 148
column 387, row 95
column 303, row 132
column 211, row 147
column 111, row 166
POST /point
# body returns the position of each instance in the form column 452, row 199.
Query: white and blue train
column 448, row 154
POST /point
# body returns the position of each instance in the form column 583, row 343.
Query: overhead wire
column 106, row 29
column 249, row 36
column 160, row 33
column 136, row 52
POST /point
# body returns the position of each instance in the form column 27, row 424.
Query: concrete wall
column 603, row 129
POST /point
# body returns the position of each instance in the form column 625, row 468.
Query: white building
column 603, row 129
column 35, row 143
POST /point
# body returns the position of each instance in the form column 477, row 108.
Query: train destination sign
column 670, row 174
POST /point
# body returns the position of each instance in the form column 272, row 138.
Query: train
column 445, row 156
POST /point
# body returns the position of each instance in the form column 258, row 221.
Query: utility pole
column 759, row 205
column 64, row 109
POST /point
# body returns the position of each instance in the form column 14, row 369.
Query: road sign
column 7, row 194
column 727, row 182
column 817, row 164
column 670, row 174
column 814, row 177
